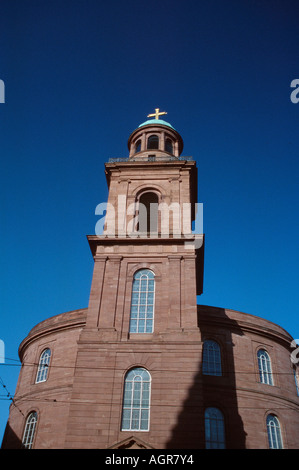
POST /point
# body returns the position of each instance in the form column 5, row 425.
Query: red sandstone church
column 144, row 366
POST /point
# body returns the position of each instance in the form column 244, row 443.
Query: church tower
column 144, row 366
column 148, row 268
column 152, row 196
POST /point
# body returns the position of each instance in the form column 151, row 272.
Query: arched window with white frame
column 211, row 358
column 214, row 429
column 274, row 432
column 265, row 368
column 136, row 400
column 29, row 430
column 142, row 302
column 43, row 366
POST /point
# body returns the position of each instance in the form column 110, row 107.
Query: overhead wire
column 9, row 396
column 60, row 366
column 168, row 405
column 21, row 364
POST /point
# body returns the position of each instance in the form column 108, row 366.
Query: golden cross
column 156, row 114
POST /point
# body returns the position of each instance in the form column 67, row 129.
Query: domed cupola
column 155, row 139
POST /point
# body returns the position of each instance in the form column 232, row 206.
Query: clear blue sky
column 80, row 76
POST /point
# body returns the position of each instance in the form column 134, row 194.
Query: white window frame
column 274, row 432
column 142, row 303
column 43, row 366
column 211, row 358
column 265, row 367
column 134, row 406
column 29, row 431
column 214, row 429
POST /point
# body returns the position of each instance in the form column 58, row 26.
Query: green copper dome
column 156, row 121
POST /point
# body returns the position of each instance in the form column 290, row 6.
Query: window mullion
column 132, row 403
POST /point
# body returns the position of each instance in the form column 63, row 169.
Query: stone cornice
column 63, row 321
column 242, row 322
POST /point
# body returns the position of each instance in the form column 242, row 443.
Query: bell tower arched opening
column 148, row 212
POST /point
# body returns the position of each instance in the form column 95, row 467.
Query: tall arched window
column 148, row 212
column 214, row 429
column 274, row 432
column 43, row 366
column 142, row 302
column 153, row 142
column 136, row 400
column 211, row 358
column 265, row 370
column 29, row 430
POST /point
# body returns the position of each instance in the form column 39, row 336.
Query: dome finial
column 156, row 114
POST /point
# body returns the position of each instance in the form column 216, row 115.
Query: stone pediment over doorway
column 131, row 442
